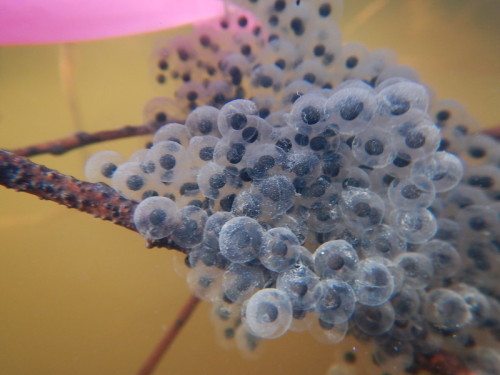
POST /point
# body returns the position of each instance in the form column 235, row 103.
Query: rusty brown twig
column 493, row 132
column 443, row 363
column 169, row 337
column 97, row 199
column 63, row 145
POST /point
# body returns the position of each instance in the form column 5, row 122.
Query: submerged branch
column 99, row 200
column 442, row 363
column 493, row 132
column 63, row 145
column 169, row 337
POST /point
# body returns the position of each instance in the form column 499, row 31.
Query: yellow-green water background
column 80, row 296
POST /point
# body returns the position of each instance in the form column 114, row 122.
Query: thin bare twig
column 167, row 340
column 80, row 139
column 63, row 145
column 493, row 132
column 443, row 363
column 100, row 200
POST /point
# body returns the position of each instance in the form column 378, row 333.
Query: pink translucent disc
column 60, row 21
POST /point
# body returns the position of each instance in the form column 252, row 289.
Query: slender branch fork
column 63, row 145
column 493, row 132
column 81, row 139
column 167, row 340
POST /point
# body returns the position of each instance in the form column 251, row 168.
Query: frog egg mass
column 318, row 186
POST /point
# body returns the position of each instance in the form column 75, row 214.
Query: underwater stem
column 167, row 340
column 493, row 132
column 98, row 199
column 80, row 139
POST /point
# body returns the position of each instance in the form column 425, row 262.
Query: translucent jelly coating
column 447, row 309
column 374, row 320
column 299, row 283
column 191, row 226
column 352, row 109
column 280, row 249
column 417, row 137
column 417, row 192
column 241, row 239
column 203, row 121
column 335, row 258
column 416, row 226
column 156, row 217
column 173, row 132
column 406, row 303
column 362, row 207
column 202, row 149
column 130, row 180
column 418, row 269
column 240, row 281
column 374, row 147
column 374, row 283
column 398, row 99
column 233, row 115
column 335, row 301
column 327, row 333
column 308, row 113
column 205, row 282
column 268, row 313
column 382, row 240
column 444, row 257
column 213, row 226
column 445, row 170
column 101, row 166
column 166, row 161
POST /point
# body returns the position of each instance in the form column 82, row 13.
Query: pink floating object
column 61, row 21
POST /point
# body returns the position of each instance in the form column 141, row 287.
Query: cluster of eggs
column 319, row 187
